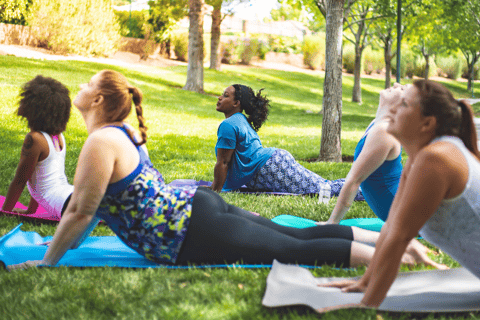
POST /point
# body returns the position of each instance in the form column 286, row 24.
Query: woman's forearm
column 70, row 228
column 382, row 272
column 345, row 200
column 219, row 176
column 13, row 194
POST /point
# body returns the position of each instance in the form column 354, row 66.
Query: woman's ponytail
column 468, row 132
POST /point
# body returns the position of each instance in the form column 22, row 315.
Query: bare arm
column 31, row 151
column 94, row 170
column 378, row 146
column 224, row 157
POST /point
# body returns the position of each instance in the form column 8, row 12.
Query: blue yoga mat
column 19, row 246
column 373, row 224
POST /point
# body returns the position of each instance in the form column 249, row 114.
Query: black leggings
column 222, row 233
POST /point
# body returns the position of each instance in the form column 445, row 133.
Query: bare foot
column 418, row 252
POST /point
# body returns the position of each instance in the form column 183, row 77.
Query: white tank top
column 455, row 226
column 49, row 185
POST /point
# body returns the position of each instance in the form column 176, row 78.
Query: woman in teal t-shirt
column 241, row 158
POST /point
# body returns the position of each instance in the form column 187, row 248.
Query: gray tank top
column 455, row 226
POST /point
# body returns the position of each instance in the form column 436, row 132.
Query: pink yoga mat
column 41, row 213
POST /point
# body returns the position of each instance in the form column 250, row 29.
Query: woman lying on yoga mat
column 241, row 159
column 377, row 164
column 439, row 191
column 45, row 104
column 115, row 181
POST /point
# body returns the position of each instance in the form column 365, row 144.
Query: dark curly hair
column 46, row 104
column 454, row 117
column 255, row 106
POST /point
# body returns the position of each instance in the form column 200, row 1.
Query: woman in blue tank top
column 377, row 164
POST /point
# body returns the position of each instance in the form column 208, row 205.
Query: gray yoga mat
column 454, row 290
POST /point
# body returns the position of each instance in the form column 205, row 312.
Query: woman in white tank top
column 45, row 104
column 439, row 191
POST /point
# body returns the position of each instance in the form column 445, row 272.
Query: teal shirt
column 249, row 156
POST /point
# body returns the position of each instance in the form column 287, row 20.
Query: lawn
column 182, row 135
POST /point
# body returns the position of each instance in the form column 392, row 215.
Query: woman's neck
column 93, row 121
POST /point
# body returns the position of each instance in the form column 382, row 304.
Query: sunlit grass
column 182, row 135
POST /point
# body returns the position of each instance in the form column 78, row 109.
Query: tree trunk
column 330, row 147
column 357, row 72
column 388, row 64
column 215, row 41
column 427, row 65
column 471, row 74
column 195, row 47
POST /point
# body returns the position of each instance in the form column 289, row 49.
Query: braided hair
column 255, row 106
column 118, row 95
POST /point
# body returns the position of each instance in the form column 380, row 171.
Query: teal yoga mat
column 373, row 224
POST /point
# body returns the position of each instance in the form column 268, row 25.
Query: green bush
column 373, row 61
column 134, row 26
column 229, row 51
column 451, row 66
column 348, row 58
column 14, row 12
column 476, row 70
column 313, row 49
column 420, row 64
column 248, row 49
column 75, row 26
column 284, row 44
column 180, row 45
column 407, row 63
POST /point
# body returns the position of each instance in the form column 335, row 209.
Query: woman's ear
column 98, row 100
column 236, row 104
column 429, row 124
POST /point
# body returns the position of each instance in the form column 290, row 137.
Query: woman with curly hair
column 45, row 104
column 241, row 159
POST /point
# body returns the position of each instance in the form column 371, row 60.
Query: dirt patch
column 345, row 158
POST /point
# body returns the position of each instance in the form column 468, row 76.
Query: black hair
column 454, row 118
column 46, row 104
column 255, row 106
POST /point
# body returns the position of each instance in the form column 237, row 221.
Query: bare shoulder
column 441, row 156
column 34, row 144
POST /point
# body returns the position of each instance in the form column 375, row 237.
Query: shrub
column 249, row 48
column 229, row 52
column 83, row 27
column 451, row 66
column 135, row 26
column 476, row 70
column 180, row 45
column 420, row 64
column 373, row 61
column 407, row 63
column 313, row 49
column 284, row 44
column 348, row 58
column 14, row 12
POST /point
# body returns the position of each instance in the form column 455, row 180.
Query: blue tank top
column 380, row 187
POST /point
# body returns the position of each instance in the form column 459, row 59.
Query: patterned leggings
column 282, row 173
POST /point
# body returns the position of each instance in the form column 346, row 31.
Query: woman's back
column 455, row 225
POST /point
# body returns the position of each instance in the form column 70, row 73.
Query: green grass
column 182, row 135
